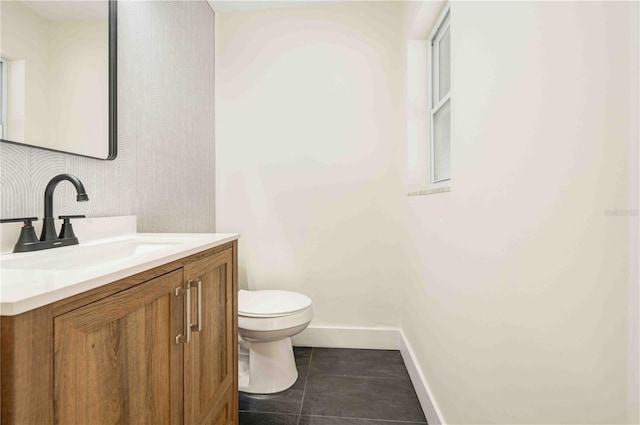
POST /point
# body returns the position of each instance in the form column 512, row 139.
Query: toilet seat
column 271, row 303
column 275, row 323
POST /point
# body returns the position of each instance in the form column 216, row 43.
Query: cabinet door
column 117, row 361
column 210, row 365
column 225, row 412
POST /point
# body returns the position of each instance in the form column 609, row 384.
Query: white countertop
column 31, row 280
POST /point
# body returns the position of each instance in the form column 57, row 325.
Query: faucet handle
column 26, row 220
column 66, row 218
column 66, row 232
column 27, row 239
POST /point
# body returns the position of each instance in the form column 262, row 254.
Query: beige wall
column 517, row 308
column 308, row 152
column 633, row 395
column 25, row 42
column 513, row 288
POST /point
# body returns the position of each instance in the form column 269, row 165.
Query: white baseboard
column 425, row 396
column 348, row 337
column 379, row 339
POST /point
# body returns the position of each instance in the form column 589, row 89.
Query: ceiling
column 71, row 10
column 221, row 6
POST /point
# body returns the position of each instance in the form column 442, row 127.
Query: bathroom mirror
column 58, row 76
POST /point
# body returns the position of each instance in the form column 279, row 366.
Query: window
column 440, row 120
column 428, row 100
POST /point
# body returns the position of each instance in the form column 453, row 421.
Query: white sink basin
column 91, row 254
column 34, row 279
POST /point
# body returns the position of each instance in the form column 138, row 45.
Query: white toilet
column 266, row 322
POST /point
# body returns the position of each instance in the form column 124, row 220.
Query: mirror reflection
column 55, row 75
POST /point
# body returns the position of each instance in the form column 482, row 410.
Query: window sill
column 430, row 191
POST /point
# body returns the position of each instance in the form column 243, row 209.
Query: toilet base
column 269, row 368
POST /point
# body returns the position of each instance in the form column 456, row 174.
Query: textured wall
column 164, row 171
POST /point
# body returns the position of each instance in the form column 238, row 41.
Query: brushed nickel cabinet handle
column 186, row 337
column 198, row 285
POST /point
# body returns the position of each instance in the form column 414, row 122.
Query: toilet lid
column 271, row 303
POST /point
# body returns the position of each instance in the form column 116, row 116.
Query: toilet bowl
column 266, row 322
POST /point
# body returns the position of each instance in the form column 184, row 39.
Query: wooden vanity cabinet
column 119, row 354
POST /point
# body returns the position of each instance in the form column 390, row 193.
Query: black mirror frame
column 113, row 80
column 113, row 92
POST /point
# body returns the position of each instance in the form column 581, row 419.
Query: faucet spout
column 48, row 227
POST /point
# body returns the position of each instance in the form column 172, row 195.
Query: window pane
column 434, row 79
column 445, row 64
column 441, row 142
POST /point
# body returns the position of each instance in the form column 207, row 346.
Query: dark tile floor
column 339, row 386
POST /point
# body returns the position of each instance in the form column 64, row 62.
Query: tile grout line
column 267, row 413
column 304, row 391
column 364, row 376
column 371, row 419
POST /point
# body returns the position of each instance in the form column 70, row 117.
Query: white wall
column 517, row 308
column 308, row 154
column 78, row 78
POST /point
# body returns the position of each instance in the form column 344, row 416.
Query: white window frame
column 3, row 99
column 442, row 25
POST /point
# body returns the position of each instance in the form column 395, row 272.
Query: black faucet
column 48, row 226
column 28, row 240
